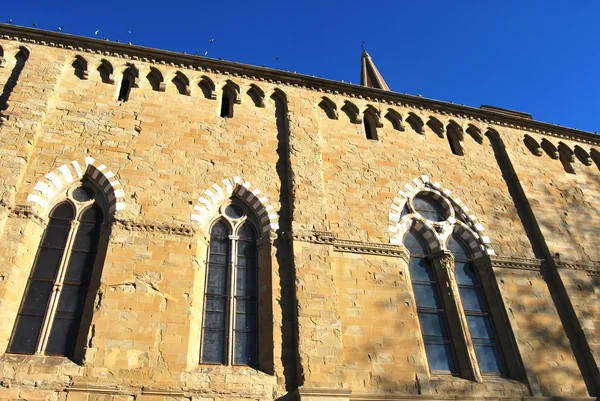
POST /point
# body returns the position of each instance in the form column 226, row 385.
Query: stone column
column 457, row 321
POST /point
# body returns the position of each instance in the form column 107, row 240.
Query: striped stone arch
column 207, row 206
column 44, row 192
column 460, row 221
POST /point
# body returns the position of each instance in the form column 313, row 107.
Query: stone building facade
column 364, row 244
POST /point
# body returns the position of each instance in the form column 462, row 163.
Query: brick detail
column 213, row 197
column 436, row 233
column 44, row 192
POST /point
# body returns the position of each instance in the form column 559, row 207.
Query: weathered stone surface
column 337, row 313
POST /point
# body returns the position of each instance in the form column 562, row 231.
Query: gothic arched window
column 230, row 324
column 52, row 307
column 476, row 310
column 430, row 306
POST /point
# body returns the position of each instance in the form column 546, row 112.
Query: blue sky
column 540, row 57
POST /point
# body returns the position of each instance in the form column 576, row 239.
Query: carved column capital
column 445, row 260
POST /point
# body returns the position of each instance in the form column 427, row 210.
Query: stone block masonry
column 333, row 176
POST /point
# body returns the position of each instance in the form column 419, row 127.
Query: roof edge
column 147, row 54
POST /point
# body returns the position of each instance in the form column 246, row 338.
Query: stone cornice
column 89, row 45
column 592, row 268
column 351, row 246
column 180, row 229
column 517, row 263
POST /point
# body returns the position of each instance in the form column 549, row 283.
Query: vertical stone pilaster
column 318, row 319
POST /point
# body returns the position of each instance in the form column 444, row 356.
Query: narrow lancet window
column 476, row 310
column 52, row 308
column 430, row 307
column 230, row 327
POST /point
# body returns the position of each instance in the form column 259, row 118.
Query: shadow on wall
column 284, row 250
column 20, row 59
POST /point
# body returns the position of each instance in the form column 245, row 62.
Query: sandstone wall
column 338, row 317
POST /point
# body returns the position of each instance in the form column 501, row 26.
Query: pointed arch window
column 430, row 307
column 230, row 324
column 476, row 310
column 49, row 318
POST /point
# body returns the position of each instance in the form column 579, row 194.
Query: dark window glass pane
column 83, row 194
column 214, row 320
column 55, row 237
column 420, row 270
column 36, row 298
column 87, row 237
column 47, row 263
column 25, row 337
column 459, row 248
column 63, row 337
column 234, row 211
column 216, row 304
column 246, row 285
column 426, row 296
column 220, row 229
column 245, row 348
column 465, row 274
column 489, row 359
column 480, row 327
column 71, row 301
column 219, row 247
column 217, row 280
column 246, row 249
column 439, row 357
column 414, row 242
column 432, row 324
column 63, row 211
column 246, row 306
column 428, row 208
column 213, row 347
column 80, row 267
column 245, row 322
column 246, row 233
column 472, row 299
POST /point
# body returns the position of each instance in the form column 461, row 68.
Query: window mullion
column 457, row 320
column 231, row 299
column 56, row 290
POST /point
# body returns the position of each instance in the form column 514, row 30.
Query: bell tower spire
column 369, row 75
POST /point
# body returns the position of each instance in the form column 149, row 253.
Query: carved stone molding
column 518, row 263
column 446, row 260
column 25, row 212
column 351, row 246
column 162, row 391
column 324, row 392
column 591, row 268
column 94, row 388
column 180, row 229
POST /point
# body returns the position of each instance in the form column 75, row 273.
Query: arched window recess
column 51, row 316
column 395, row 119
column 230, row 334
column 129, row 80
column 455, row 138
column 230, row 95
column 372, row 121
column 329, row 107
column 257, row 95
column 207, row 86
column 80, row 67
column 352, row 112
